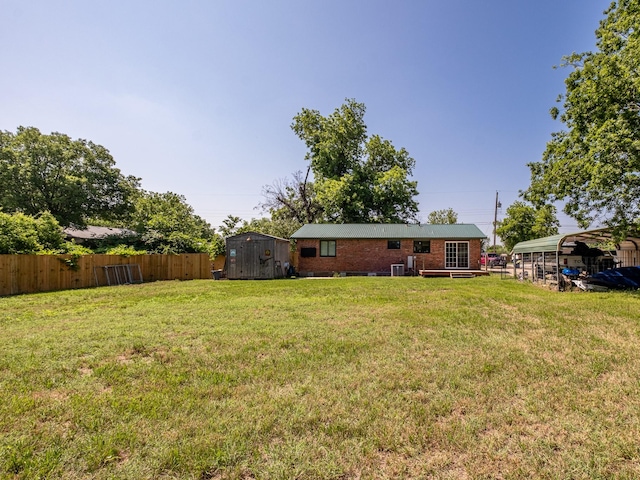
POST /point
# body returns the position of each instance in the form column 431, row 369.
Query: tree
column 356, row 178
column 274, row 226
column 168, row 224
column 23, row 234
column 526, row 222
column 443, row 217
column 71, row 179
column 231, row 225
column 594, row 165
column 293, row 199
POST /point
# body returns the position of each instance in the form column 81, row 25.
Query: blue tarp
column 620, row 278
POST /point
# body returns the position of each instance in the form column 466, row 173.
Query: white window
column 456, row 255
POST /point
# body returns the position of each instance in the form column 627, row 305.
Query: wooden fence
column 42, row 273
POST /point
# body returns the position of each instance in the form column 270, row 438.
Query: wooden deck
column 453, row 273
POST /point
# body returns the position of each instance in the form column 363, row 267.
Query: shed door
column 250, row 260
column 265, row 259
column 255, row 260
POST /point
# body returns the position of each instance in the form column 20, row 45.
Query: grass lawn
column 316, row 379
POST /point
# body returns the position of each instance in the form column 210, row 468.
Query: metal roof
column 554, row 242
column 388, row 231
column 538, row 245
column 95, row 232
column 254, row 233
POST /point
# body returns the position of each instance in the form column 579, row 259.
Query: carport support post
column 533, row 269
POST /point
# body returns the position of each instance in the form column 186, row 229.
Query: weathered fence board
column 43, row 273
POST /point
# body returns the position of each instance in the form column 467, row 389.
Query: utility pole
column 495, row 221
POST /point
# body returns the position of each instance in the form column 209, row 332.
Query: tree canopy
column 72, row 179
column 526, row 222
column 356, row 178
column 52, row 180
column 443, row 217
column 293, row 200
column 594, row 165
column 168, row 224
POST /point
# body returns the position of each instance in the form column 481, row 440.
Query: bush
column 18, row 234
column 50, row 233
column 124, row 250
column 71, row 248
column 173, row 243
column 23, row 234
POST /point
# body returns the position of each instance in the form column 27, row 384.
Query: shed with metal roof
column 256, row 256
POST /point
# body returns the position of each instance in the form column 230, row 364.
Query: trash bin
column 216, row 274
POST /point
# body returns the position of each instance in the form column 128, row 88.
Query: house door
column 456, row 255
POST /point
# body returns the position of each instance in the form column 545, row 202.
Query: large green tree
column 447, row 216
column 526, row 222
column 168, row 224
column 72, row 179
column 356, row 178
column 594, row 165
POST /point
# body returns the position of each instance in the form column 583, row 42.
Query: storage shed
column 256, row 256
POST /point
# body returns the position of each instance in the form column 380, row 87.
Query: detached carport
column 547, row 251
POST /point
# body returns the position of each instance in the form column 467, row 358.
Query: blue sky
column 197, row 97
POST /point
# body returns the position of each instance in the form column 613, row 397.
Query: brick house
column 362, row 249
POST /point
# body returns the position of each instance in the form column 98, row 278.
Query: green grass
column 320, row 379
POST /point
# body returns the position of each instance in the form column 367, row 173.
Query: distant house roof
column 96, row 233
column 388, row 231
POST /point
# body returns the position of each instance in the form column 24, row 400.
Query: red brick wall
column 373, row 256
column 475, row 252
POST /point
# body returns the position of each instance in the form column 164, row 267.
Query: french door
column 456, row 255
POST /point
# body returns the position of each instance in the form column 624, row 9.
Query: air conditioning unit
column 397, row 270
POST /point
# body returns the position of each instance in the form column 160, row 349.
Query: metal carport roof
column 554, row 242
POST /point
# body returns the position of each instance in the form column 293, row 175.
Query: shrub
column 23, row 234
column 124, row 250
column 18, row 234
